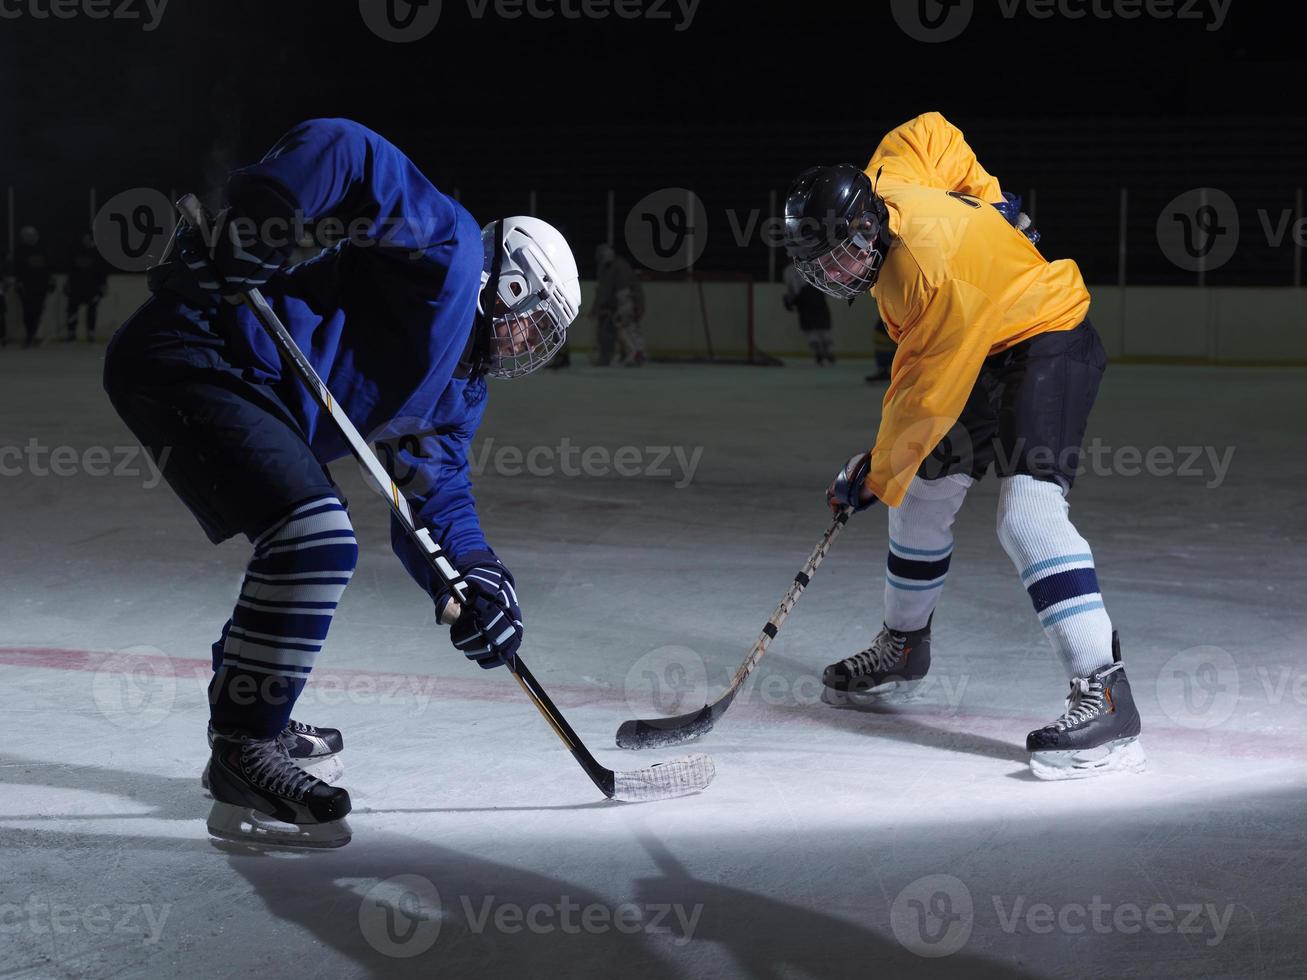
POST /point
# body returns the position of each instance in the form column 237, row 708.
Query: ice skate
column 1098, row 733
column 260, row 796
column 887, row 672
column 315, row 750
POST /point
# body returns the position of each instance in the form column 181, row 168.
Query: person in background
column 884, row 349
column 32, row 276
column 814, row 315
column 618, row 308
column 87, row 278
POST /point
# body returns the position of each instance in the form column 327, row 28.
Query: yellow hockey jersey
column 958, row 284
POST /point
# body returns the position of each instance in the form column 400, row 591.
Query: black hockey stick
column 688, row 774
column 661, row 732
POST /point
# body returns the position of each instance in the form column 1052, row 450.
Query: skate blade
column 1123, row 755
column 328, row 768
column 884, row 695
column 245, row 826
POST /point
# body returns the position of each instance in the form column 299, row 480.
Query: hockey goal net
column 701, row 317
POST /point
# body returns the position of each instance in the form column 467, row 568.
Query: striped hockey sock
column 299, row 570
column 1057, row 569
column 920, row 549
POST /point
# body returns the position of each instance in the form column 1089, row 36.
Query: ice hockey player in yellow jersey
column 997, row 367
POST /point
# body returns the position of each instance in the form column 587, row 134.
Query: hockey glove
column 846, row 490
column 489, row 631
column 1010, row 208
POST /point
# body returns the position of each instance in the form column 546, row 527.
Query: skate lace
column 299, row 728
column 1085, row 700
column 269, row 767
column 885, row 651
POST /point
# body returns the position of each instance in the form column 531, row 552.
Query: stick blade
column 677, row 777
column 661, row 733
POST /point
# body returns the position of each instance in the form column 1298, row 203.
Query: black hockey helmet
column 836, row 229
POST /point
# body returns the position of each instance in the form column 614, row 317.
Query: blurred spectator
column 814, row 315
column 88, row 274
column 34, row 280
column 618, row 309
column 884, row 348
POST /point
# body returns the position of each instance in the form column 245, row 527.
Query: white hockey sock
column 1057, row 569
column 920, row 549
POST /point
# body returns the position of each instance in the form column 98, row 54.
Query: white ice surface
column 790, row 865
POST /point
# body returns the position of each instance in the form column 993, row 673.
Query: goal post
column 701, row 318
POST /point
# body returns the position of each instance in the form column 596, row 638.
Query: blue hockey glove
column 846, row 490
column 1010, row 208
column 489, row 631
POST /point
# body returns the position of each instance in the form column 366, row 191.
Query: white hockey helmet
column 536, row 293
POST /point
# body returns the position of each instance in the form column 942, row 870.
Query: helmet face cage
column 531, row 317
column 524, row 342
column 849, row 269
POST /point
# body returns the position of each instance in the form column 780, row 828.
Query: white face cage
column 846, row 271
column 531, row 314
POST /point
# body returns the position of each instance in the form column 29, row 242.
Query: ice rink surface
column 833, row 843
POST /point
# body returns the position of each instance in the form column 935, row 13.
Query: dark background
column 731, row 107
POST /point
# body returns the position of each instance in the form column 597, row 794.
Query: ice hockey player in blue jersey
column 404, row 318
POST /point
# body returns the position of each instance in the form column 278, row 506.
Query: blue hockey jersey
column 384, row 317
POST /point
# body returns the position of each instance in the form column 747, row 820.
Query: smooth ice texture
column 832, row 842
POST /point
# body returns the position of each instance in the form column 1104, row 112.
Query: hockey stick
column 679, row 777
column 662, row 732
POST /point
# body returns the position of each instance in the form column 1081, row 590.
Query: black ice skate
column 315, row 750
column 1098, row 732
column 261, row 796
column 888, row 670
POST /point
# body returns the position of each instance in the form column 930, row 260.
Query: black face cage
column 846, row 271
